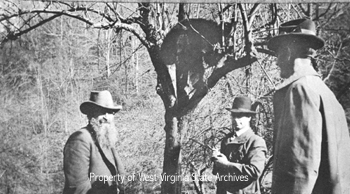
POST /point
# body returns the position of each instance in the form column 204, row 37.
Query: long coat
column 84, row 168
column 311, row 138
column 248, row 152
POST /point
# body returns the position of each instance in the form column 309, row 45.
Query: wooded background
column 53, row 54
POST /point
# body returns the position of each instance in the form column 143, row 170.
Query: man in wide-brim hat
column 242, row 154
column 91, row 162
column 311, row 138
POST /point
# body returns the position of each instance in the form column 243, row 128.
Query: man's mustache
column 104, row 120
column 100, row 121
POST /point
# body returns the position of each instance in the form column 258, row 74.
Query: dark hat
column 241, row 104
column 102, row 99
column 301, row 31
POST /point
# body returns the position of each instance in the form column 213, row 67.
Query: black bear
column 201, row 37
column 191, row 46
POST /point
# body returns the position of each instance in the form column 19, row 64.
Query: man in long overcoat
column 311, row 136
column 241, row 159
column 91, row 162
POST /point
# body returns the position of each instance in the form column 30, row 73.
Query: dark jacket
column 248, row 151
column 311, row 138
column 84, row 167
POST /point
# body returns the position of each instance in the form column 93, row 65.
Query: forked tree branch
column 228, row 64
column 15, row 35
column 123, row 23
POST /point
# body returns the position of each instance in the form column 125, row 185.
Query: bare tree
column 192, row 59
column 189, row 55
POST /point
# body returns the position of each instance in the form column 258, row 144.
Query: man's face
column 240, row 121
column 285, row 62
column 102, row 115
column 102, row 122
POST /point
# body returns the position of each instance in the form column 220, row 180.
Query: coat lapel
column 109, row 155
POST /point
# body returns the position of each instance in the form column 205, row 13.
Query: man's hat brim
column 310, row 40
column 245, row 111
column 87, row 106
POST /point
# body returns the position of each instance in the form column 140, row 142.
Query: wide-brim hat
column 241, row 104
column 101, row 99
column 302, row 31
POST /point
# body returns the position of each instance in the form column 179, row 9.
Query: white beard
column 106, row 133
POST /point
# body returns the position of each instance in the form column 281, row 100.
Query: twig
column 267, row 75
column 2, row 173
column 334, row 62
column 202, row 144
column 266, row 168
column 193, row 177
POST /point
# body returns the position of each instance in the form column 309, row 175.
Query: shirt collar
column 240, row 132
column 242, row 138
column 307, row 70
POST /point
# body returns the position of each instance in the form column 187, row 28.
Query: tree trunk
column 176, row 126
column 172, row 156
column 166, row 89
column 172, row 153
column 181, row 86
column 108, row 40
column 135, row 63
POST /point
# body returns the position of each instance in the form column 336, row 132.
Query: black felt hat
column 241, row 104
column 301, row 31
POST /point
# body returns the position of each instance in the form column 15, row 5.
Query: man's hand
column 219, row 159
column 215, row 154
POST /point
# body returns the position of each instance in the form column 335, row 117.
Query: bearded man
column 91, row 162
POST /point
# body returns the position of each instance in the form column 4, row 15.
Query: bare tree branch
column 71, row 13
column 14, row 35
column 265, row 51
column 249, row 47
column 334, row 62
column 303, row 10
column 324, row 13
column 228, row 64
column 252, row 13
column 182, row 13
column 273, row 9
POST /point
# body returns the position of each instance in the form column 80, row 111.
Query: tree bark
column 108, row 51
column 172, row 155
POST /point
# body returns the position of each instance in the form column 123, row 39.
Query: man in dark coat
column 91, row 162
column 311, row 136
column 242, row 155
